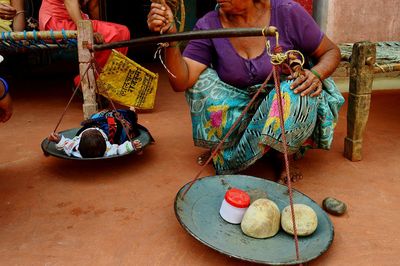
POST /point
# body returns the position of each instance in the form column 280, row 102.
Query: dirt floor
column 120, row 212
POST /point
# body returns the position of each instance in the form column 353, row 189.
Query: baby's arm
column 54, row 137
column 128, row 146
column 137, row 144
column 68, row 145
column 63, row 143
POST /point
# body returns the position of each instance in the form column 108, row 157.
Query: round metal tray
column 49, row 148
column 198, row 213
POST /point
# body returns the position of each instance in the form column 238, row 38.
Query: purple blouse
column 297, row 30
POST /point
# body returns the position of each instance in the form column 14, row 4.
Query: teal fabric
column 215, row 106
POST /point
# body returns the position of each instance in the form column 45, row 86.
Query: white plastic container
column 234, row 205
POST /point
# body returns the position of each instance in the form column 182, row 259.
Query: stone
column 306, row 220
column 261, row 219
column 334, row 206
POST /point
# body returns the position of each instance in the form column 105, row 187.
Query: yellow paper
column 127, row 83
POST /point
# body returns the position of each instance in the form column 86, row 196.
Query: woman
column 12, row 15
column 65, row 14
column 220, row 76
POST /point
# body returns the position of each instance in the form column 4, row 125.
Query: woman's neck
column 253, row 15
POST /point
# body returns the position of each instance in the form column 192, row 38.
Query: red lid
column 237, row 198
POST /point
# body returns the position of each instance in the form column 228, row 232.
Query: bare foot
column 202, row 159
column 295, row 173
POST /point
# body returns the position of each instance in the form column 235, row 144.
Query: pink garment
column 53, row 15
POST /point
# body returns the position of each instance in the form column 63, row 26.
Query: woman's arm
column 19, row 18
column 74, row 10
column 186, row 71
column 327, row 56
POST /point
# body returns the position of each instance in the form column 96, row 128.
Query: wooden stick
column 190, row 35
column 88, row 80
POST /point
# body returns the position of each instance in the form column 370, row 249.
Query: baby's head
column 92, row 144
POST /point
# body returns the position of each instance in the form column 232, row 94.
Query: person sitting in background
column 221, row 75
column 12, row 15
column 65, row 14
column 105, row 133
column 6, row 108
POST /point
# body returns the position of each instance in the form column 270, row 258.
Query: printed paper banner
column 127, row 83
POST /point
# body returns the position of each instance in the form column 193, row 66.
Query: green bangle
column 316, row 74
column 173, row 46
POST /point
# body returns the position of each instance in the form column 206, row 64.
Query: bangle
column 19, row 12
column 316, row 74
column 172, row 46
column 5, row 89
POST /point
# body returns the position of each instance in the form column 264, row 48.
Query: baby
column 106, row 133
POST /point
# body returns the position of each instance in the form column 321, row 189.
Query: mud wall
column 355, row 20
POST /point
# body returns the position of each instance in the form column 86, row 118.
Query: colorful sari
column 215, row 106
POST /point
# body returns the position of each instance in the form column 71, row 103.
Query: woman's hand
column 98, row 38
column 307, row 84
column 54, row 137
column 160, row 18
column 7, row 12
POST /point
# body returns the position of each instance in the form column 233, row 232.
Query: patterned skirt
column 215, row 106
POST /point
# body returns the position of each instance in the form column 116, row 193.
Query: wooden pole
column 361, row 77
column 88, row 80
column 190, row 35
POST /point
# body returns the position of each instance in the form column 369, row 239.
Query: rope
column 69, row 102
column 285, row 152
column 178, row 5
column 94, row 66
column 278, row 55
column 157, row 54
column 118, row 116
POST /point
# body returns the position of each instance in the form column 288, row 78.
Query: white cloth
column 71, row 146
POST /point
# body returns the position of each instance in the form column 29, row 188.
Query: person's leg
column 203, row 157
column 111, row 32
column 57, row 25
column 281, row 169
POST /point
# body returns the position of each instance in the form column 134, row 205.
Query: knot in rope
column 157, row 53
column 278, row 58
